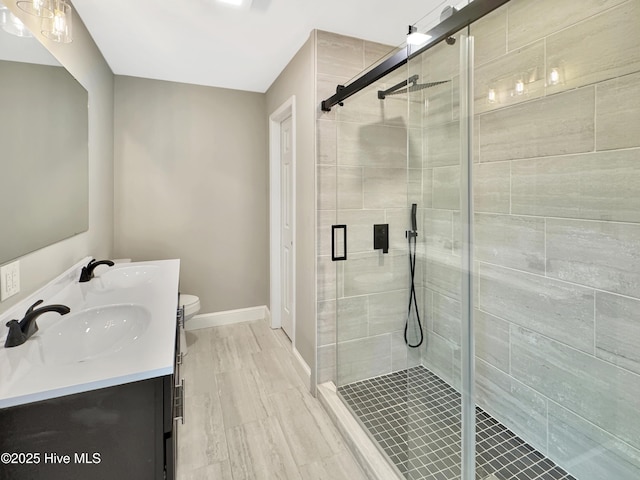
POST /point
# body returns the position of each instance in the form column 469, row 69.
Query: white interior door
column 286, row 236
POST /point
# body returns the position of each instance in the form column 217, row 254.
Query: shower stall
column 499, row 336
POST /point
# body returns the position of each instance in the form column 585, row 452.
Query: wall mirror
column 44, row 191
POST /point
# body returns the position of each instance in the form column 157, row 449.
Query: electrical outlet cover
column 9, row 280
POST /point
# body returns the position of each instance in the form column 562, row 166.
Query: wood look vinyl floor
column 248, row 415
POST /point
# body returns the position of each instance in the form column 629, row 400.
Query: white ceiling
column 205, row 43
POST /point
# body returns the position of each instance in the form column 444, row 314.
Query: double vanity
column 94, row 393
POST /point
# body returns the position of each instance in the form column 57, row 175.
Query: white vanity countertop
column 34, row 371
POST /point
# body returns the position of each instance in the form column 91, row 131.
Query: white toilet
column 191, row 305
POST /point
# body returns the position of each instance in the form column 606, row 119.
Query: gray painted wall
column 298, row 79
column 85, row 62
column 191, row 182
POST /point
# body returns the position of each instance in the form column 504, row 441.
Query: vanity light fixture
column 414, row 37
column 12, row 24
column 38, row 8
column 59, row 27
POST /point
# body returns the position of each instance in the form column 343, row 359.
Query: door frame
column 288, row 108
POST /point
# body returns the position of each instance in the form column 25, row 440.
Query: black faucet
column 20, row 331
column 87, row 272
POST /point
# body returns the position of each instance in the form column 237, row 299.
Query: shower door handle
column 334, row 256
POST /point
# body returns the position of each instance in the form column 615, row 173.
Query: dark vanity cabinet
column 121, row 432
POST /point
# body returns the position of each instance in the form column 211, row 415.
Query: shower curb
column 366, row 453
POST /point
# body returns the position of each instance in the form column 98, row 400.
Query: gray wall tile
column 375, row 273
column 526, row 23
column 492, row 187
column 360, row 228
column 598, row 186
column 555, row 125
column 352, row 319
column 591, row 51
column 385, row 187
column 325, row 87
column 374, row 52
column 603, row 255
column 427, row 188
column 557, row 309
column 399, row 222
column 588, row 452
column 490, row 33
column 414, row 186
column 518, row 407
column 618, row 330
column 438, row 229
column 443, row 272
column 492, row 340
column 439, row 103
column 618, row 113
column 326, row 187
column 446, row 187
column 364, row 358
column 350, row 181
column 339, row 54
column 327, row 363
column 443, row 144
column 388, row 312
column 327, row 142
column 372, row 145
column 510, row 241
column 325, row 219
column 402, row 357
column 447, row 321
column 601, row 393
column 441, row 63
column 326, row 278
column 326, row 322
column 438, row 357
column 364, row 108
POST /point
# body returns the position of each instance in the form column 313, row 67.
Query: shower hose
column 413, row 301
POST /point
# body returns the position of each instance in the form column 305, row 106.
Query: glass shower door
column 441, row 430
column 401, row 328
column 373, row 283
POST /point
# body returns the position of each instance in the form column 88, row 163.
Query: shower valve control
column 381, row 237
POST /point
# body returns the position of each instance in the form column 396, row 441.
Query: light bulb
column 519, row 87
column 492, row 96
column 59, row 22
column 554, row 77
column 59, row 27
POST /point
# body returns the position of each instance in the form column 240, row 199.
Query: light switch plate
column 9, row 280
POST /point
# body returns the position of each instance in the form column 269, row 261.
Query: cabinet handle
column 179, row 356
column 179, row 402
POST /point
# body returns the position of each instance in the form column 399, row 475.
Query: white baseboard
column 229, row 317
column 303, row 370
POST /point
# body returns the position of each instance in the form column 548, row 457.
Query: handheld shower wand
column 413, row 301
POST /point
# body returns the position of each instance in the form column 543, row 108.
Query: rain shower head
column 407, row 86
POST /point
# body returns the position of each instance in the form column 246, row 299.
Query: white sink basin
column 94, row 333
column 126, row 277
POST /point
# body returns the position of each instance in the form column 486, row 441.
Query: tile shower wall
column 362, row 180
column 557, row 230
